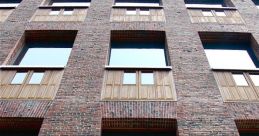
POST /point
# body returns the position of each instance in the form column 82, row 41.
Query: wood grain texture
column 119, row 15
column 43, row 15
column 162, row 89
column 232, row 92
column 45, row 90
column 232, row 17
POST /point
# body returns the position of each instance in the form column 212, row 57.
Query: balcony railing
column 46, row 87
column 246, row 90
column 223, row 15
column 160, row 86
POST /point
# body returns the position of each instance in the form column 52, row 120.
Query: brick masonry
column 77, row 109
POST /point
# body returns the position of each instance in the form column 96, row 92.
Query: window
column 36, row 78
column 137, row 49
column 68, row 12
column 19, row 78
column 141, row 127
column 137, row 54
column 255, row 79
column 45, row 54
column 129, row 78
column 131, row 12
column 54, row 12
column 69, row 3
column 150, row 3
column 256, row 3
column 240, row 80
column 247, row 127
column 9, row 3
column 220, row 13
column 20, row 126
column 45, row 48
column 147, row 78
column 207, row 13
column 208, row 3
column 230, row 56
column 144, row 12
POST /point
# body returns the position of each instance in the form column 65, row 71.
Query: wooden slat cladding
column 230, row 91
column 46, row 89
column 78, row 15
column 162, row 89
column 4, row 13
column 120, row 15
column 231, row 16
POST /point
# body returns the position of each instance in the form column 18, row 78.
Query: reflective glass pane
column 207, row 13
column 36, row 78
column 131, row 12
column 220, row 13
column 144, row 12
column 150, row 3
column 220, row 58
column 204, row 5
column 129, row 78
column 54, row 12
column 147, row 78
column 240, row 80
column 68, row 12
column 19, row 78
column 46, row 56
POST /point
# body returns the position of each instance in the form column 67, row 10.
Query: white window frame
column 240, row 80
column 54, row 12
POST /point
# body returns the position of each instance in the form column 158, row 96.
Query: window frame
column 135, row 4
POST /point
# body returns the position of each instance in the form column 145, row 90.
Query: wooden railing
column 231, row 91
column 162, row 87
column 43, row 14
column 231, row 16
column 118, row 14
column 45, row 89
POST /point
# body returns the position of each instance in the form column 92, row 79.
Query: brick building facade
column 78, row 108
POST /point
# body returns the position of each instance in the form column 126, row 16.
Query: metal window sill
column 135, row 67
column 30, row 67
column 48, row 7
column 235, row 69
column 219, row 8
column 159, row 7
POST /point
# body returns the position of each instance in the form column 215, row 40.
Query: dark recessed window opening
column 20, row 126
column 226, row 53
column 69, row 3
column 50, row 51
column 137, row 3
column 248, row 127
column 209, row 3
column 139, row 127
column 256, row 2
column 137, row 49
column 9, row 3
